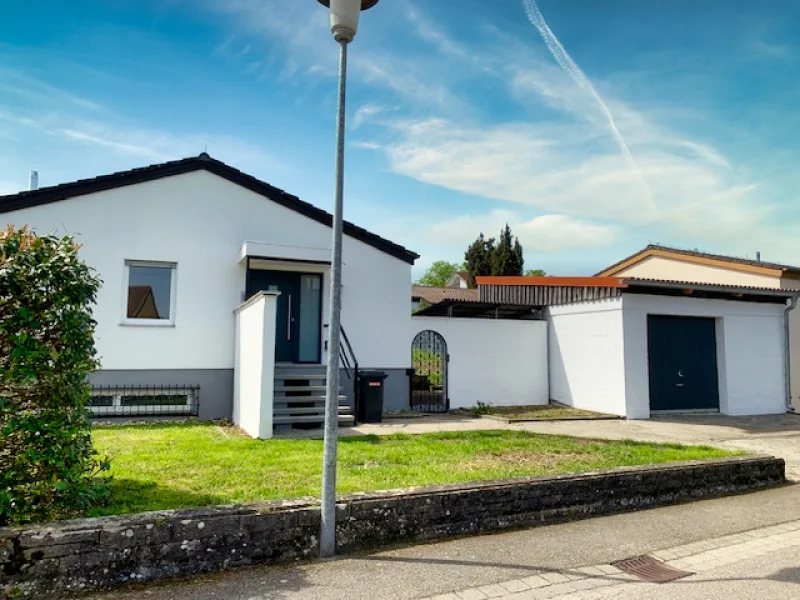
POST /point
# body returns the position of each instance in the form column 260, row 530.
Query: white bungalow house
column 180, row 246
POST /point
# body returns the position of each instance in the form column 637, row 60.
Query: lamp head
column 344, row 17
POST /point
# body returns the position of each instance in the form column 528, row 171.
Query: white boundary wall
column 492, row 360
column 254, row 370
column 599, row 360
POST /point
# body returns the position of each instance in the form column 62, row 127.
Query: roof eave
column 83, row 187
column 711, row 287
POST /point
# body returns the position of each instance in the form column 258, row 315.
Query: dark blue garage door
column 682, row 362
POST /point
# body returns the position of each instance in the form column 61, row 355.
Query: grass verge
column 168, row 466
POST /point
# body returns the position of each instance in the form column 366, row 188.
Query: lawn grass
column 547, row 412
column 178, row 465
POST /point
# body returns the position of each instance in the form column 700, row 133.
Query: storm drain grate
column 650, row 569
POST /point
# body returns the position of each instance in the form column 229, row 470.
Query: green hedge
column 48, row 468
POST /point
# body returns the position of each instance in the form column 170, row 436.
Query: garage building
column 630, row 346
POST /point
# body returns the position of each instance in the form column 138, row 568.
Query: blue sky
column 671, row 122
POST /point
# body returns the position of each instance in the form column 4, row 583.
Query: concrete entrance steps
column 299, row 401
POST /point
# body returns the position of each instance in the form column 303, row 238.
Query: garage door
column 682, row 362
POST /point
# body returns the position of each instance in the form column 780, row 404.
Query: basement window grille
column 144, row 401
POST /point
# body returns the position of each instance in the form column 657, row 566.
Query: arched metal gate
column 429, row 360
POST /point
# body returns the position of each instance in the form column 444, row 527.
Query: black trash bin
column 370, row 396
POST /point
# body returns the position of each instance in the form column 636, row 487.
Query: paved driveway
column 777, row 435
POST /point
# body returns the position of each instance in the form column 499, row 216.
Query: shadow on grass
column 133, row 496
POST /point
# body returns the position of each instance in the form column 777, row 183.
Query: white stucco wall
column 659, row 267
column 749, row 351
column 200, row 221
column 492, row 360
column 254, row 370
column 587, row 356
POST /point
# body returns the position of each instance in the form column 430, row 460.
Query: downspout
column 787, row 378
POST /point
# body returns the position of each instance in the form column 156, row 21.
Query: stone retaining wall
column 47, row 560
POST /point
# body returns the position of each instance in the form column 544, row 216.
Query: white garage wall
column 586, row 354
column 200, row 221
column 749, row 351
column 492, row 360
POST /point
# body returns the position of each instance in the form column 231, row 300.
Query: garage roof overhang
column 708, row 290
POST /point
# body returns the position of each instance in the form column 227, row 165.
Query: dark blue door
column 287, row 330
column 682, row 363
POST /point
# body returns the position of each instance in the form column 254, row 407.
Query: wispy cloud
column 160, row 146
column 563, row 163
column 593, row 161
column 763, row 45
column 563, row 58
column 300, row 37
column 367, row 112
column 543, row 234
column 125, row 148
column 35, row 91
column 69, row 132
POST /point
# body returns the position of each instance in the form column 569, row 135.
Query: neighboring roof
column 457, row 279
column 742, row 264
column 203, row 162
column 538, row 292
column 435, row 295
column 551, row 281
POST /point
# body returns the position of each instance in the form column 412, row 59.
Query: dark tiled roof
column 695, row 253
column 434, row 295
column 204, row 162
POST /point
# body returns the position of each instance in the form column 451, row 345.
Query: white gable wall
column 669, row 269
column 200, row 221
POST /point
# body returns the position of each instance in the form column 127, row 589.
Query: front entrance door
column 682, row 357
column 299, row 313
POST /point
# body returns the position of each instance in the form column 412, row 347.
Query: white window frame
column 173, row 289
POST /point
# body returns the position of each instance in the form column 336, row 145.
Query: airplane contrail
column 565, row 61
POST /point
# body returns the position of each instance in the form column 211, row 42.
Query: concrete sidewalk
column 699, row 560
column 456, row 566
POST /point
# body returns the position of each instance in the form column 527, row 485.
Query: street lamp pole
column 344, row 25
